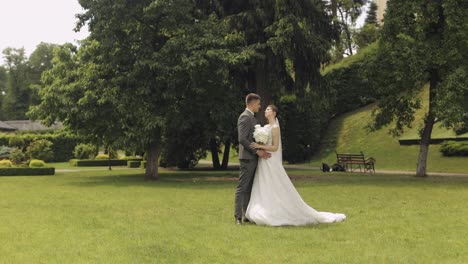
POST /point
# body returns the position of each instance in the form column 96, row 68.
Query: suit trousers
column 244, row 188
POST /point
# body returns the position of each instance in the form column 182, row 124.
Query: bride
column 274, row 200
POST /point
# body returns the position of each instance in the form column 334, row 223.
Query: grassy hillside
column 347, row 133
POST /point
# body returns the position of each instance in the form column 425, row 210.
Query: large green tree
column 423, row 42
column 19, row 76
column 291, row 40
column 17, row 96
column 369, row 32
column 151, row 73
column 345, row 14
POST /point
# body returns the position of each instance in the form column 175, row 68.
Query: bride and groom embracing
column 265, row 195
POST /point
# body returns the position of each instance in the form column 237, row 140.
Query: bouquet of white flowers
column 261, row 134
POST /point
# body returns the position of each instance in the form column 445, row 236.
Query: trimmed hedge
column 453, row 148
column 133, row 163
column 98, row 163
column 26, row 171
column 63, row 144
column 143, row 164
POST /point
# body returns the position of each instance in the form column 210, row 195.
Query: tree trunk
column 152, row 157
column 424, row 148
column 428, row 125
column 227, row 149
column 214, row 154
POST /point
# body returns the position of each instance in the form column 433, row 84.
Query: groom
column 247, row 156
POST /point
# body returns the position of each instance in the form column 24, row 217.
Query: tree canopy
column 423, row 42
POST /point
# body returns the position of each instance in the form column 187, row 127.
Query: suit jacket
column 245, row 128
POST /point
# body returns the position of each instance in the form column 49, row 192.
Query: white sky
column 26, row 23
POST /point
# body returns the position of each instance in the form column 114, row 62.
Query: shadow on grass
column 228, row 179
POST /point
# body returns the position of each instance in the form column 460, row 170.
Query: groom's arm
column 243, row 129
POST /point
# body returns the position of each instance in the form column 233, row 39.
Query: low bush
column 84, row 151
column 40, row 149
column 14, row 171
column 16, row 142
column 102, row 157
column 454, row 148
column 17, row 156
column 36, row 163
column 5, row 164
column 5, row 151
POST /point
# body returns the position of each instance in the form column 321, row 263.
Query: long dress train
column 275, row 201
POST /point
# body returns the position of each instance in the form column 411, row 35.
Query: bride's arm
column 275, row 144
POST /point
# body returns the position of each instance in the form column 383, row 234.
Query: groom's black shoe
column 238, row 222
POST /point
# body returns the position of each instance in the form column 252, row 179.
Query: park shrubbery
column 133, row 163
column 17, row 156
column 36, row 163
column 17, row 142
column 35, row 167
column 5, row 164
column 100, row 162
column 84, row 151
column 348, row 83
column 25, row 171
column 62, row 146
column 454, row 148
column 102, row 157
column 40, row 149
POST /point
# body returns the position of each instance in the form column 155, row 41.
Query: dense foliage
column 423, row 42
column 454, row 148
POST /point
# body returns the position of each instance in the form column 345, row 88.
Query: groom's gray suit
column 248, row 162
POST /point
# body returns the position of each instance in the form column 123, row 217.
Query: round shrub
column 36, row 163
column 40, row 149
column 102, row 157
column 5, row 164
column 17, row 142
column 454, row 148
column 5, row 151
column 84, row 151
column 17, row 156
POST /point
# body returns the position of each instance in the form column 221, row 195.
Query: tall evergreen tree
column 371, row 16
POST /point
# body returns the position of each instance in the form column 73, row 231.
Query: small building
column 27, row 125
column 4, row 127
column 381, row 6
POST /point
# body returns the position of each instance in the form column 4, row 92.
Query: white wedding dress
column 274, row 200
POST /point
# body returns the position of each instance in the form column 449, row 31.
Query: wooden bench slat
column 350, row 159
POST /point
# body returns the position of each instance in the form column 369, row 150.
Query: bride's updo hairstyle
column 274, row 108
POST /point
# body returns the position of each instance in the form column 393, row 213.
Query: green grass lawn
column 186, row 217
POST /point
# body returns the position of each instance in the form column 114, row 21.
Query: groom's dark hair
column 251, row 97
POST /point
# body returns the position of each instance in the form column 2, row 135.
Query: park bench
column 353, row 161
